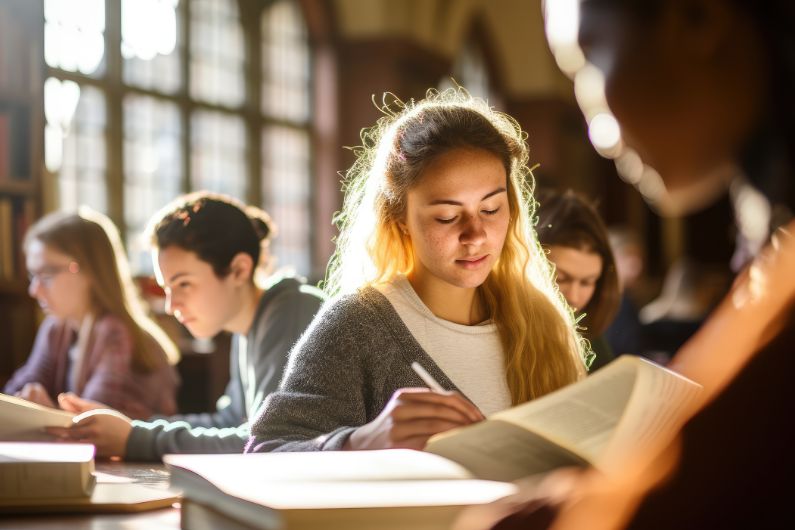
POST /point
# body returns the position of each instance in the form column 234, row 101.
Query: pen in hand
column 426, row 377
column 436, row 387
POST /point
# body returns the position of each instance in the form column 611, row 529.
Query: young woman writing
column 436, row 263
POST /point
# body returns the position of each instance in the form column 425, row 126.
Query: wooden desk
column 153, row 475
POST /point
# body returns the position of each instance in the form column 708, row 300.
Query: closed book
column 352, row 490
column 6, row 238
column 38, row 470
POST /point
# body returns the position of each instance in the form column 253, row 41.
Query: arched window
column 147, row 99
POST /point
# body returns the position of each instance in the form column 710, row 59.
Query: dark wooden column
column 368, row 68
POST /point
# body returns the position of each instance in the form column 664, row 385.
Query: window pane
column 285, row 63
column 287, row 195
column 74, row 35
column 217, row 53
column 75, row 143
column 152, row 168
column 151, row 42
column 218, row 153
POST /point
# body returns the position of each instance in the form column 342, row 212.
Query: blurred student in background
column 97, row 340
column 207, row 250
column 691, row 290
column 624, row 334
column 575, row 238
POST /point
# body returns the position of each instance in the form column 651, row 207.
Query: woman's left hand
column 107, row 429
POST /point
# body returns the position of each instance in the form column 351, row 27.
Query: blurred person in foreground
column 700, row 88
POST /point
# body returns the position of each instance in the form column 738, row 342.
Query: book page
column 22, row 420
column 661, row 402
column 582, row 416
column 497, row 450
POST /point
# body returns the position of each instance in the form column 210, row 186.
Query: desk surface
column 153, row 475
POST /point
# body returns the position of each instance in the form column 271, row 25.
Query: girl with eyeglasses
column 96, row 340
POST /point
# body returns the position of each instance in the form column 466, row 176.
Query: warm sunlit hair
column 93, row 242
column 543, row 350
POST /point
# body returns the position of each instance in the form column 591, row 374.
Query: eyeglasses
column 46, row 275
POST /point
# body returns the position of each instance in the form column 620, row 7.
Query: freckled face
column 457, row 218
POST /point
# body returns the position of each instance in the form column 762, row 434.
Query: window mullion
column 251, row 12
column 115, row 125
column 185, row 103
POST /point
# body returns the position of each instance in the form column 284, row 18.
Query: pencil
column 426, row 377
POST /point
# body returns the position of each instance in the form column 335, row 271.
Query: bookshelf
column 21, row 160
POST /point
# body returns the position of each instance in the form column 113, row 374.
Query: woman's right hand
column 107, row 429
column 411, row 417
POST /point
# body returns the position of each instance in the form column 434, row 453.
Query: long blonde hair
column 93, row 241
column 543, row 351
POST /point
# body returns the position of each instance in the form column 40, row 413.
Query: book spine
column 5, row 150
column 22, row 220
column 6, row 239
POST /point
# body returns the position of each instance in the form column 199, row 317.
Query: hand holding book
column 94, row 423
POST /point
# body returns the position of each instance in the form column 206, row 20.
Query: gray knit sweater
column 284, row 312
column 341, row 374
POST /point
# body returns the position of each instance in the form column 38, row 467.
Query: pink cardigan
column 106, row 376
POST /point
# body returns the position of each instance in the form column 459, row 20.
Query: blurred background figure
column 573, row 234
column 97, row 340
column 690, row 291
column 624, row 334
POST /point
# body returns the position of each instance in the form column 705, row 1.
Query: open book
column 631, row 403
column 23, row 420
column 389, row 489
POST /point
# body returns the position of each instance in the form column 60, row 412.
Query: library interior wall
column 363, row 48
